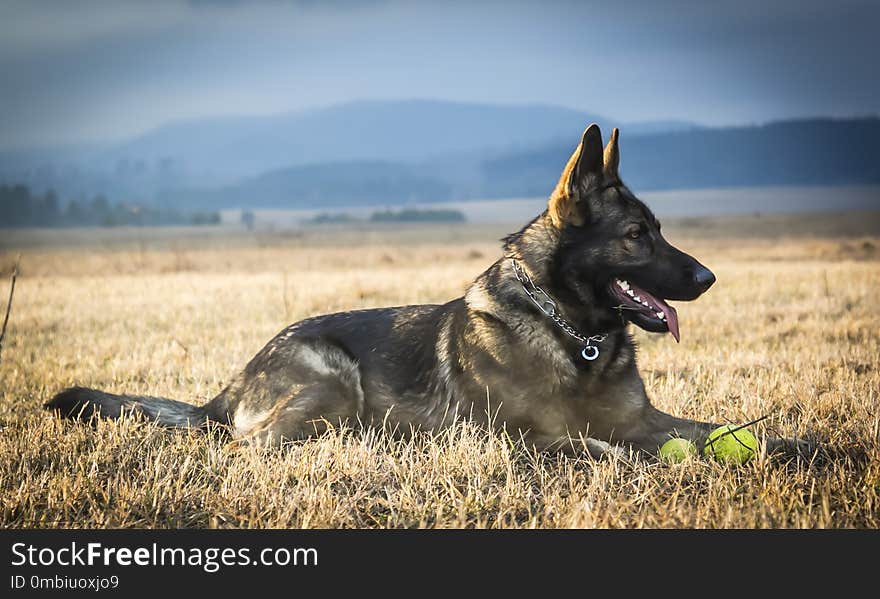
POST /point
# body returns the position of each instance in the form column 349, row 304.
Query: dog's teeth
column 637, row 298
column 661, row 315
column 623, row 284
column 630, row 292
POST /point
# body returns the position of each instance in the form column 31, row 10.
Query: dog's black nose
column 703, row 277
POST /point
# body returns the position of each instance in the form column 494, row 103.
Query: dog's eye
column 634, row 234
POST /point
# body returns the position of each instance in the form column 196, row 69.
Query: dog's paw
column 602, row 449
column 795, row 447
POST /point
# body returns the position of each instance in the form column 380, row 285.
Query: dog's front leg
column 658, row 427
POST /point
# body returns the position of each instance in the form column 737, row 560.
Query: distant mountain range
column 330, row 185
column 208, row 153
column 412, row 151
column 798, row 152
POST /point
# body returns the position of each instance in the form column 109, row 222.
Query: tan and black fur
column 491, row 355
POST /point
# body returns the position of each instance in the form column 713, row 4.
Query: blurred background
column 288, row 114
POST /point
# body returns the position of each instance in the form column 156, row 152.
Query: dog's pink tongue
column 671, row 320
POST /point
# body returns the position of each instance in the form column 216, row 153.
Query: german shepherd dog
column 538, row 344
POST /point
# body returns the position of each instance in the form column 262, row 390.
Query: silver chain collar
column 547, row 305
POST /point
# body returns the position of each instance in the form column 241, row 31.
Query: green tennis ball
column 677, row 450
column 731, row 445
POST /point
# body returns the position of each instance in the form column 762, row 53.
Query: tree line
column 406, row 215
column 416, row 215
column 20, row 207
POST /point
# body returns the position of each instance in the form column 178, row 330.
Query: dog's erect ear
column 612, row 158
column 583, row 168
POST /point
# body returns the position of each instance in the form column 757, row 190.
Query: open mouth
column 646, row 310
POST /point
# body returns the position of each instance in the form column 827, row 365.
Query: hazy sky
column 109, row 69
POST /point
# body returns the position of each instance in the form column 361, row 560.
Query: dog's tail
column 79, row 403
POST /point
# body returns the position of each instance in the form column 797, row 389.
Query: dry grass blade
column 9, row 302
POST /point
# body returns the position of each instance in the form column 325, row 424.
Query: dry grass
column 791, row 330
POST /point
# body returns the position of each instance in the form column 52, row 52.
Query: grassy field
column 791, row 330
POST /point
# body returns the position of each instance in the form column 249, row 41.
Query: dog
column 538, row 345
